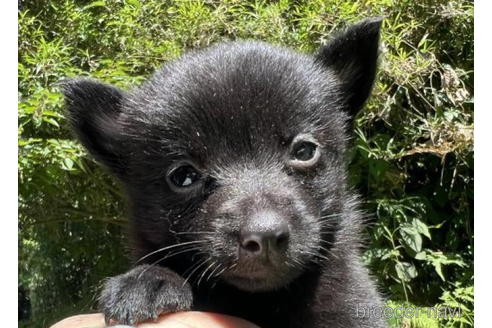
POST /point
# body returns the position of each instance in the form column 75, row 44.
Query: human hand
column 189, row 319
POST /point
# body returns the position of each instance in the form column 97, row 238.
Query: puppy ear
column 352, row 55
column 93, row 111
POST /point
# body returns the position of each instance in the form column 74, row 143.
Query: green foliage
column 412, row 159
column 399, row 319
column 459, row 298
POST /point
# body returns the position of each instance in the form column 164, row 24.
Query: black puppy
column 233, row 159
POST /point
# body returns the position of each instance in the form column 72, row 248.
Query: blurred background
column 411, row 160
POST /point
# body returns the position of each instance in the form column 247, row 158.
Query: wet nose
column 269, row 238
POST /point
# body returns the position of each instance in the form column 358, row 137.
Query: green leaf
column 405, row 271
column 67, row 164
column 438, row 268
column 437, row 259
column 421, row 227
column 51, row 121
column 95, row 4
column 411, row 237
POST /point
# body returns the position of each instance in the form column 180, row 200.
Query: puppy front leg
column 144, row 293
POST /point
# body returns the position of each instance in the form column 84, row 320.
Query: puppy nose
column 273, row 238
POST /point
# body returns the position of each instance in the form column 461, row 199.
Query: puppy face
column 236, row 153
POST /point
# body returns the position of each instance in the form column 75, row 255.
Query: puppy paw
column 144, row 293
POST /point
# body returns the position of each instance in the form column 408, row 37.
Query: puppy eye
column 183, row 176
column 304, row 151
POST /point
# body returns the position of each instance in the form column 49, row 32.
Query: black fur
column 262, row 235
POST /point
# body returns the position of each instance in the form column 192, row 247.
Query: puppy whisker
column 170, row 247
column 197, row 266
column 204, row 272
